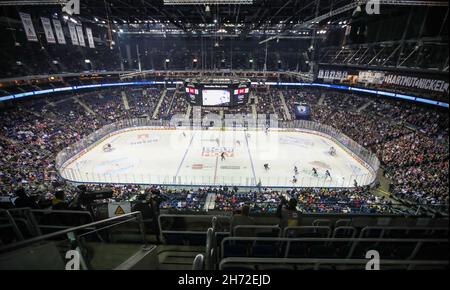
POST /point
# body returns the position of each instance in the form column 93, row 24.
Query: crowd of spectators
column 413, row 153
column 265, row 104
column 179, row 105
column 410, row 140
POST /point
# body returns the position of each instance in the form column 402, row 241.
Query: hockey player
column 266, row 166
column 107, row 148
column 327, row 174
column 294, row 179
column 295, row 170
column 314, row 172
column 332, row 151
column 222, row 156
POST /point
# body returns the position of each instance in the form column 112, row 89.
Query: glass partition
column 362, row 155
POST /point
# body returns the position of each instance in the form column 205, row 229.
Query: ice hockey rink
column 194, row 157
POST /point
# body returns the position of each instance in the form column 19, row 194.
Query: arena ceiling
column 266, row 17
column 262, row 16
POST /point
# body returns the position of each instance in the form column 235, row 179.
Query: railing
column 318, row 264
column 48, row 251
column 94, row 227
column 75, row 174
column 252, row 230
column 11, row 223
column 285, row 245
column 198, row 224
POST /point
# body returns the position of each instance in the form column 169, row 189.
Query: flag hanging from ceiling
column 59, row 31
column 73, row 34
column 90, row 37
column 80, row 35
column 48, row 30
column 28, row 26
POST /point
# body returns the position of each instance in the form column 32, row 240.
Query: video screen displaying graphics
column 302, row 111
column 217, row 92
column 216, row 97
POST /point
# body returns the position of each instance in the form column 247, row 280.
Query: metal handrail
column 317, row 262
column 209, row 251
column 198, row 263
column 202, row 232
column 33, row 226
column 347, row 228
column 72, row 212
column 383, row 229
column 137, row 214
column 13, row 224
column 256, row 227
column 215, row 217
column 17, row 221
column 293, row 228
column 318, row 221
column 355, row 241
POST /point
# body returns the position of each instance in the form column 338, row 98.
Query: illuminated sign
column 237, row 91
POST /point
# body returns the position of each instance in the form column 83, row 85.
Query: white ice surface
column 171, row 157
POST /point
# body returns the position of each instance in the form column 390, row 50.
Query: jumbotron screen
column 217, row 93
column 216, row 97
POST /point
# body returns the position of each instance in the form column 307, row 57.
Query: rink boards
column 169, row 156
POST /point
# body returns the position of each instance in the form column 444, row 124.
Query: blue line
column 185, row 154
column 250, row 155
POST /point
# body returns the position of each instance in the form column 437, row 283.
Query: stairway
column 125, row 101
column 175, row 92
column 322, row 98
column 360, row 109
column 85, row 106
column 177, row 257
column 156, row 111
column 253, row 106
column 286, row 109
column 188, row 111
column 254, row 112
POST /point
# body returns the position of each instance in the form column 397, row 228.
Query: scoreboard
column 217, row 92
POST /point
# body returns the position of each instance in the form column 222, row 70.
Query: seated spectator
column 287, row 212
column 24, row 200
column 58, row 201
column 243, row 219
column 143, row 206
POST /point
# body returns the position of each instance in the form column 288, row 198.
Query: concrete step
column 179, row 259
column 365, row 105
column 285, row 108
column 322, row 98
column 156, row 111
column 109, row 256
column 125, row 101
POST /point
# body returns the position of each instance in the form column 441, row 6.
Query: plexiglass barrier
column 362, row 155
